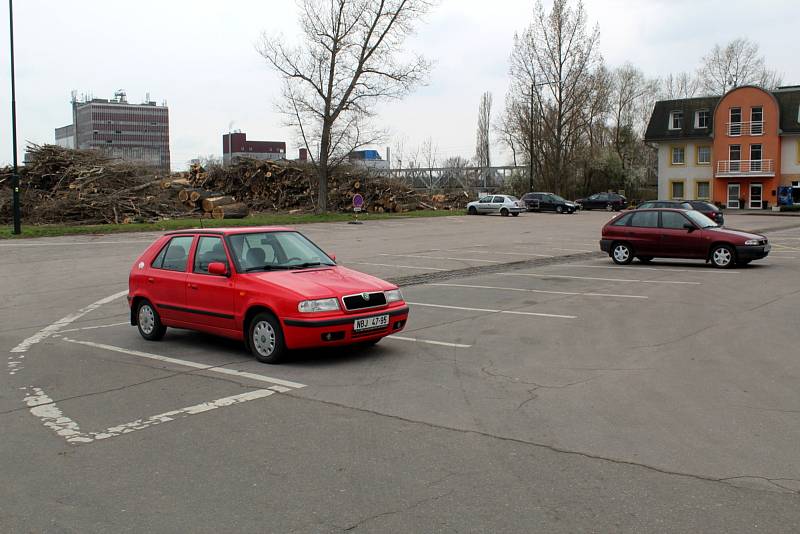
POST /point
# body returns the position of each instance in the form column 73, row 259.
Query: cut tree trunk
column 212, row 202
column 231, row 211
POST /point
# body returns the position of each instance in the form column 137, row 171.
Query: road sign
column 358, row 202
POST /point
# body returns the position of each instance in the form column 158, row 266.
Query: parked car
column 603, row 201
column 709, row 210
column 676, row 233
column 674, row 204
column 270, row 287
column 548, row 202
column 502, row 204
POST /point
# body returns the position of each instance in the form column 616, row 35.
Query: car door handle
column 192, row 286
column 151, row 280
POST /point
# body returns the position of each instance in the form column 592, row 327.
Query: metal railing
column 746, row 167
column 737, row 129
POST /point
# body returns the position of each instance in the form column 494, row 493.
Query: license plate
column 371, row 323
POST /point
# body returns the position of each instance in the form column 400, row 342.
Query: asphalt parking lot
column 537, row 388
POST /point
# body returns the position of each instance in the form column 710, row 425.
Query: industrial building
column 368, row 158
column 235, row 145
column 133, row 132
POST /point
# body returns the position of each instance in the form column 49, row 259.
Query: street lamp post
column 15, row 172
column 534, row 85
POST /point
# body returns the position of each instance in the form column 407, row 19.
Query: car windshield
column 265, row 251
column 558, row 198
column 700, row 220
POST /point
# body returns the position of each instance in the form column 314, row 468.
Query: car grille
column 358, row 302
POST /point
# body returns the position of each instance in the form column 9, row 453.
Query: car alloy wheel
column 622, row 254
column 472, row 210
column 149, row 322
column 266, row 338
column 559, row 209
column 722, row 257
column 504, row 212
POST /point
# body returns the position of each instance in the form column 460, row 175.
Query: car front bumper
column 748, row 253
column 339, row 330
column 605, row 245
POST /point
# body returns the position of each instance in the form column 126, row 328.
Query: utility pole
column 15, row 172
column 530, row 138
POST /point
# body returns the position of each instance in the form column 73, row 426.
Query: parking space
column 686, row 371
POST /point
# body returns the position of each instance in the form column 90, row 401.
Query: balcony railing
column 737, row 129
column 746, row 167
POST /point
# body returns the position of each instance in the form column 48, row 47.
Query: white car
column 502, row 204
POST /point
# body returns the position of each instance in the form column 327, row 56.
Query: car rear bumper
column 751, row 253
column 605, row 245
column 337, row 331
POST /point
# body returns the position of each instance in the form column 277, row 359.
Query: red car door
column 210, row 298
column 643, row 233
column 679, row 242
column 166, row 279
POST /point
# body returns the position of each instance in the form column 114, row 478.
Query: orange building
column 735, row 150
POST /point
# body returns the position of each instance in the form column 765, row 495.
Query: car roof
column 232, row 230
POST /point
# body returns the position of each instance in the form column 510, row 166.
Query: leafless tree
column 631, row 93
column 399, row 150
column 735, row 64
column 430, row 155
column 482, row 147
column 506, row 128
column 350, row 58
column 552, row 66
column 680, row 85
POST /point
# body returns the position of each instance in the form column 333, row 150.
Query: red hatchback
column 676, row 233
column 270, row 287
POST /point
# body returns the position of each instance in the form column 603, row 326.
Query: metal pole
column 15, row 173
column 530, row 139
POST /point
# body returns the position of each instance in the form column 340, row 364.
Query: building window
column 678, row 155
column 703, row 190
column 676, row 120
column 757, row 120
column 702, row 119
column 735, row 123
column 676, row 189
column 704, row 155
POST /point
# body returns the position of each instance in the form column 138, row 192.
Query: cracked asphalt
column 537, row 388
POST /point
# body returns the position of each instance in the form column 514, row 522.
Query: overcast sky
column 199, row 56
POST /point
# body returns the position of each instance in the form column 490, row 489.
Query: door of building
column 733, row 196
column 755, row 196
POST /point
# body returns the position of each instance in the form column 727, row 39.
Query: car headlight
column 752, row 242
column 322, row 305
column 393, row 296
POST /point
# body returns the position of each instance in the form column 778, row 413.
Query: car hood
column 324, row 282
column 734, row 233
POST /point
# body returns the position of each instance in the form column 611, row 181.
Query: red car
column 677, row 233
column 270, row 287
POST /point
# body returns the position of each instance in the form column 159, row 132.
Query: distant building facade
column 133, row 132
column 368, row 158
column 235, row 146
column 739, row 149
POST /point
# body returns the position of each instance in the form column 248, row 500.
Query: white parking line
column 187, row 363
column 74, row 244
column 92, row 327
column 567, row 293
column 398, row 266
column 430, row 342
column 600, row 279
column 487, row 310
column 435, row 258
column 501, row 253
column 699, row 269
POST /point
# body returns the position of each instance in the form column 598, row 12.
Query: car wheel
column 559, row 209
column 515, row 214
column 722, row 257
column 609, row 207
column 621, row 253
column 265, row 338
column 645, row 259
column 472, row 210
column 149, row 322
column 504, row 212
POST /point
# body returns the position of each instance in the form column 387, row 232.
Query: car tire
column 722, row 257
column 645, row 259
column 504, row 212
column 265, row 338
column 472, row 210
column 609, row 207
column 621, row 253
column 149, row 322
column 515, row 214
column 559, row 209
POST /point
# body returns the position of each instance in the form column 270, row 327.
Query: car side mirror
column 690, row 227
column 218, row 268
column 333, row 257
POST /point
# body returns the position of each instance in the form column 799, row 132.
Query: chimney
column 303, row 154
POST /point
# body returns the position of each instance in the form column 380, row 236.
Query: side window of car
column 623, row 221
column 673, row 220
column 594, row 197
column 209, row 250
column 645, row 219
column 174, row 256
column 485, row 200
column 646, row 205
column 499, row 200
column 603, row 197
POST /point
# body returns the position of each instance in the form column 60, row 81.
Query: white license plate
column 371, row 323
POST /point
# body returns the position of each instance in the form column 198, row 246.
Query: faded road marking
column 567, row 293
column 397, row 266
column 600, row 279
column 430, row 342
column 487, row 310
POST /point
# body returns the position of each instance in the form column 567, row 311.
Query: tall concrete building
column 132, row 132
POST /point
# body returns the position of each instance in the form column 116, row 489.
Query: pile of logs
column 207, row 204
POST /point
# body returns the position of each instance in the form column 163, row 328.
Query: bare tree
column 680, row 85
column 506, row 129
column 350, row 59
column 735, row 64
column 482, row 148
column 430, row 154
column 399, row 150
column 552, row 65
column 631, row 92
